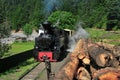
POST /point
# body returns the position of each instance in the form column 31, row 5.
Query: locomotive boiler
column 50, row 44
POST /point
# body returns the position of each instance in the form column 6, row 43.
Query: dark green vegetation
column 4, row 32
column 63, row 19
column 93, row 13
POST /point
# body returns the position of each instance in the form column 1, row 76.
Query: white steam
column 79, row 34
column 50, row 6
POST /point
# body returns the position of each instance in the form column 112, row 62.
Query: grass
column 96, row 33
column 111, row 37
column 15, row 73
column 19, row 47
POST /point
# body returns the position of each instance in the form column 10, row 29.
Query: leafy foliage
column 22, row 12
column 27, row 28
column 4, row 29
column 93, row 13
column 65, row 19
column 4, row 48
column 113, row 17
column 4, row 32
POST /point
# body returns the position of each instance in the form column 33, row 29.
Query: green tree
column 113, row 17
column 4, row 32
column 4, row 29
column 92, row 13
column 73, row 6
column 27, row 28
column 4, row 48
column 25, row 11
column 36, row 16
column 65, row 19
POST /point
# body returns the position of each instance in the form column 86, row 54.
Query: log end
column 107, row 74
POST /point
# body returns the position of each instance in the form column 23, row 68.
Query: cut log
column 116, row 51
column 81, row 55
column 92, row 70
column 105, row 46
column 86, row 61
column 99, row 56
column 82, row 74
column 113, row 48
column 92, row 57
column 107, row 74
column 69, row 70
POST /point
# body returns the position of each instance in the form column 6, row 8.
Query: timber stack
column 92, row 61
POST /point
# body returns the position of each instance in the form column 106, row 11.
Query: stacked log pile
column 92, row 61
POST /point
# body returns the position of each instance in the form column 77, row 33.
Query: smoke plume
column 79, row 34
column 50, row 6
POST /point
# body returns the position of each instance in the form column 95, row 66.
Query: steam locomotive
column 50, row 44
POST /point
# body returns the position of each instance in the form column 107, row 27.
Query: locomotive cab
column 69, row 32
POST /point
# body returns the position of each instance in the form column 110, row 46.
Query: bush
column 4, row 48
column 65, row 19
column 27, row 28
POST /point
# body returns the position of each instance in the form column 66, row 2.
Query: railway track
column 55, row 67
column 39, row 72
column 34, row 73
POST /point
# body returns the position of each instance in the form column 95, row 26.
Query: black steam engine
column 50, row 44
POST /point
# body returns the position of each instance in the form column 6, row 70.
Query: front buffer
column 42, row 56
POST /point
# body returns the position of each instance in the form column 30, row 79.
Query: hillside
column 92, row 13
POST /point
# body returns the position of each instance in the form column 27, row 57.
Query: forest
column 17, row 14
